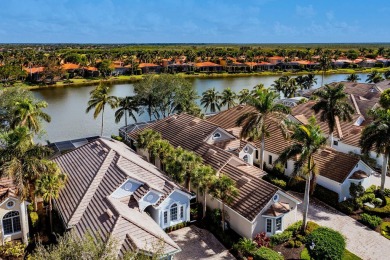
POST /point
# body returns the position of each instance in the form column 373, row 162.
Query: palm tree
column 162, row 150
column 203, row 178
column 22, row 160
column 243, row 95
column 279, row 85
column 49, row 185
column 228, row 98
column 181, row 166
column 377, row 136
column 374, row 77
column 146, row 138
column 310, row 80
column 127, row 107
column 28, row 112
column 255, row 124
column 353, row 78
column 224, row 189
column 324, row 65
column 98, row 100
column 309, row 139
column 333, row 106
column 386, row 74
column 211, row 98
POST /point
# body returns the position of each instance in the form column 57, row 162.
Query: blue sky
column 194, row 21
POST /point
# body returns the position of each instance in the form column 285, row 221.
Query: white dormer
column 150, row 198
column 126, row 189
column 359, row 121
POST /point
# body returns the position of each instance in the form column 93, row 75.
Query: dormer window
column 246, row 158
column 276, row 198
column 217, row 135
column 246, row 149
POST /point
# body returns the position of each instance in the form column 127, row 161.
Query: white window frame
column 247, row 158
column 180, row 208
column 266, row 225
column 12, row 224
column 281, row 224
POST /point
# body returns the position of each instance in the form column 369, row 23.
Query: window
column 246, row 149
column 278, row 224
column 11, row 223
column 257, row 154
column 165, row 217
column 268, row 225
column 10, row 204
column 216, row 135
column 269, row 159
column 128, row 186
column 285, row 166
column 245, row 158
column 174, row 212
column 276, row 198
column 335, row 142
column 181, row 212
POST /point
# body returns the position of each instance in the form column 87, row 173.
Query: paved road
column 376, row 180
column 197, row 243
column 361, row 240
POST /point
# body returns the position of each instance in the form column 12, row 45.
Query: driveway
column 376, row 180
column 197, row 243
column 361, row 240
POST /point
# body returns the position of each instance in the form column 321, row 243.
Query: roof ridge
column 89, row 193
column 355, row 104
column 338, row 127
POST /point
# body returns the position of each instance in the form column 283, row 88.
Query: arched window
column 216, row 135
column 174, row 212
column 246, row 158
column 11, row 223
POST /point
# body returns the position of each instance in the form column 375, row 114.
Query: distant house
column 337, row 170
column 260, row 206
column 13, row 213
column 208, row 66
column 34, row 73
column 90, row 71
column 119, row 68
column 276, row 59
column 71, row 68
column 149, row 68
column 112, row 191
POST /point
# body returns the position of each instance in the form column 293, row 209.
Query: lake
column 67, row 104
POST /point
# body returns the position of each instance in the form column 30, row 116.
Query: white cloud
column 305, row 11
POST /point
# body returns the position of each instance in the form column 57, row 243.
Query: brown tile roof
column 145, row 65
column 358, row 175
column 91, row 68
column 70, row 66
column 277, row 209
column 335, row 165
column 190, row 133
column 34, row 70
column 95, row 170
column 7, row 189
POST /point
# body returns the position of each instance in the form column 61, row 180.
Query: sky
column 194, row 21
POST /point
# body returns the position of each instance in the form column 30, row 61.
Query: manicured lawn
column 346, row 256
column 385, row 229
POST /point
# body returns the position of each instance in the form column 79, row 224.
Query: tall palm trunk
column 331, row 139
column 384, row 170
column 306, row 198
column 126, row 117
column 322, row 78
column 51, row 216
column 262, row 152
column 204, row 203
column 223, row 216
column 101, row 131
column 188, row 182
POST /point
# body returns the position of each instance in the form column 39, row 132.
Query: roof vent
column 109, row 213
column 242, row 181
column 210, row 152
column 325, row 153
column 105, row 149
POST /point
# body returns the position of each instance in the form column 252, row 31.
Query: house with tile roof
column 13, row 213
column 255, row 209
column 337, row 170
column 112, row 192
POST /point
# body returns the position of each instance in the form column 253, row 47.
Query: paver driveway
column 361, row 240
column 197, row 243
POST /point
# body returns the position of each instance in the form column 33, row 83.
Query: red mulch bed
column 289, row 253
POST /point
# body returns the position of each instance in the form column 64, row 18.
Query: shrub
column 280, row 238
column 275, row 180
column 116, row 137
column 356, row 190
column 371, row 189
column 385, row 229
column 265, row 253
column 382, row 211
column 12, row 249
column 311, row 226
column 371, row 220
column 291, row 243
column 246, row 247
column 328, row 244
column 294, row 227
column 297, row 184
column 34, row 218
column 387, row 192
column 327, row 196
column 367, row 197
column 298, row 243
column 347, row 206
column 261, row 240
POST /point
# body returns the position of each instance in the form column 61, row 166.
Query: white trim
column 168, row 211
column 10, row 207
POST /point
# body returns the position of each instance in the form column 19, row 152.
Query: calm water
column 67, row 105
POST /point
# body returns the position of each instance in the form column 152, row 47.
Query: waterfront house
column 119, row 68
column 71, row 68
column 336, row 169
column 113, row 192
column 207, row 66
column 90, row 71
column 34, row 73
column 260, row 206
column 149, row 68
column 13, row 213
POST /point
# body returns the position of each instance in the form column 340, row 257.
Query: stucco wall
column 345, row 148
column 181, row 200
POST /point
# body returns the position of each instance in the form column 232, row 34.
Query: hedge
column 278, row 239
column 385, row 229
column 327, row 196
column 265, row 253
column 381, row 212
column 371, row 220
column 328, row 244
column 275, row 180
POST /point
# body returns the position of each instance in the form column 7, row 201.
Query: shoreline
column 135, row 78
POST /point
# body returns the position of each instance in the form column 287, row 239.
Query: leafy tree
column 228, row 98
column 49, row 185
column 243, row 95
column 224, row 189
column 333, row 106
column 309, row 81
column 286, row 85
column 384, row 99
column 211, row 98
column 353, row 78
column 386, row 74
column 308, row 140
column 105, row 67
column 126, row 107
column 146, row 138
column 374, row 77
column 377, row 136
column 356, row 190
column 162, row 150
column 324, row 64
column 10, row 73
column 99, row 99
column 204, row 176
column 255, row 124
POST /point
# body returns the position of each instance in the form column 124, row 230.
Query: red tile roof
column 207, row 64
column 144, row 65
column 34, row 70
column 70, row 66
